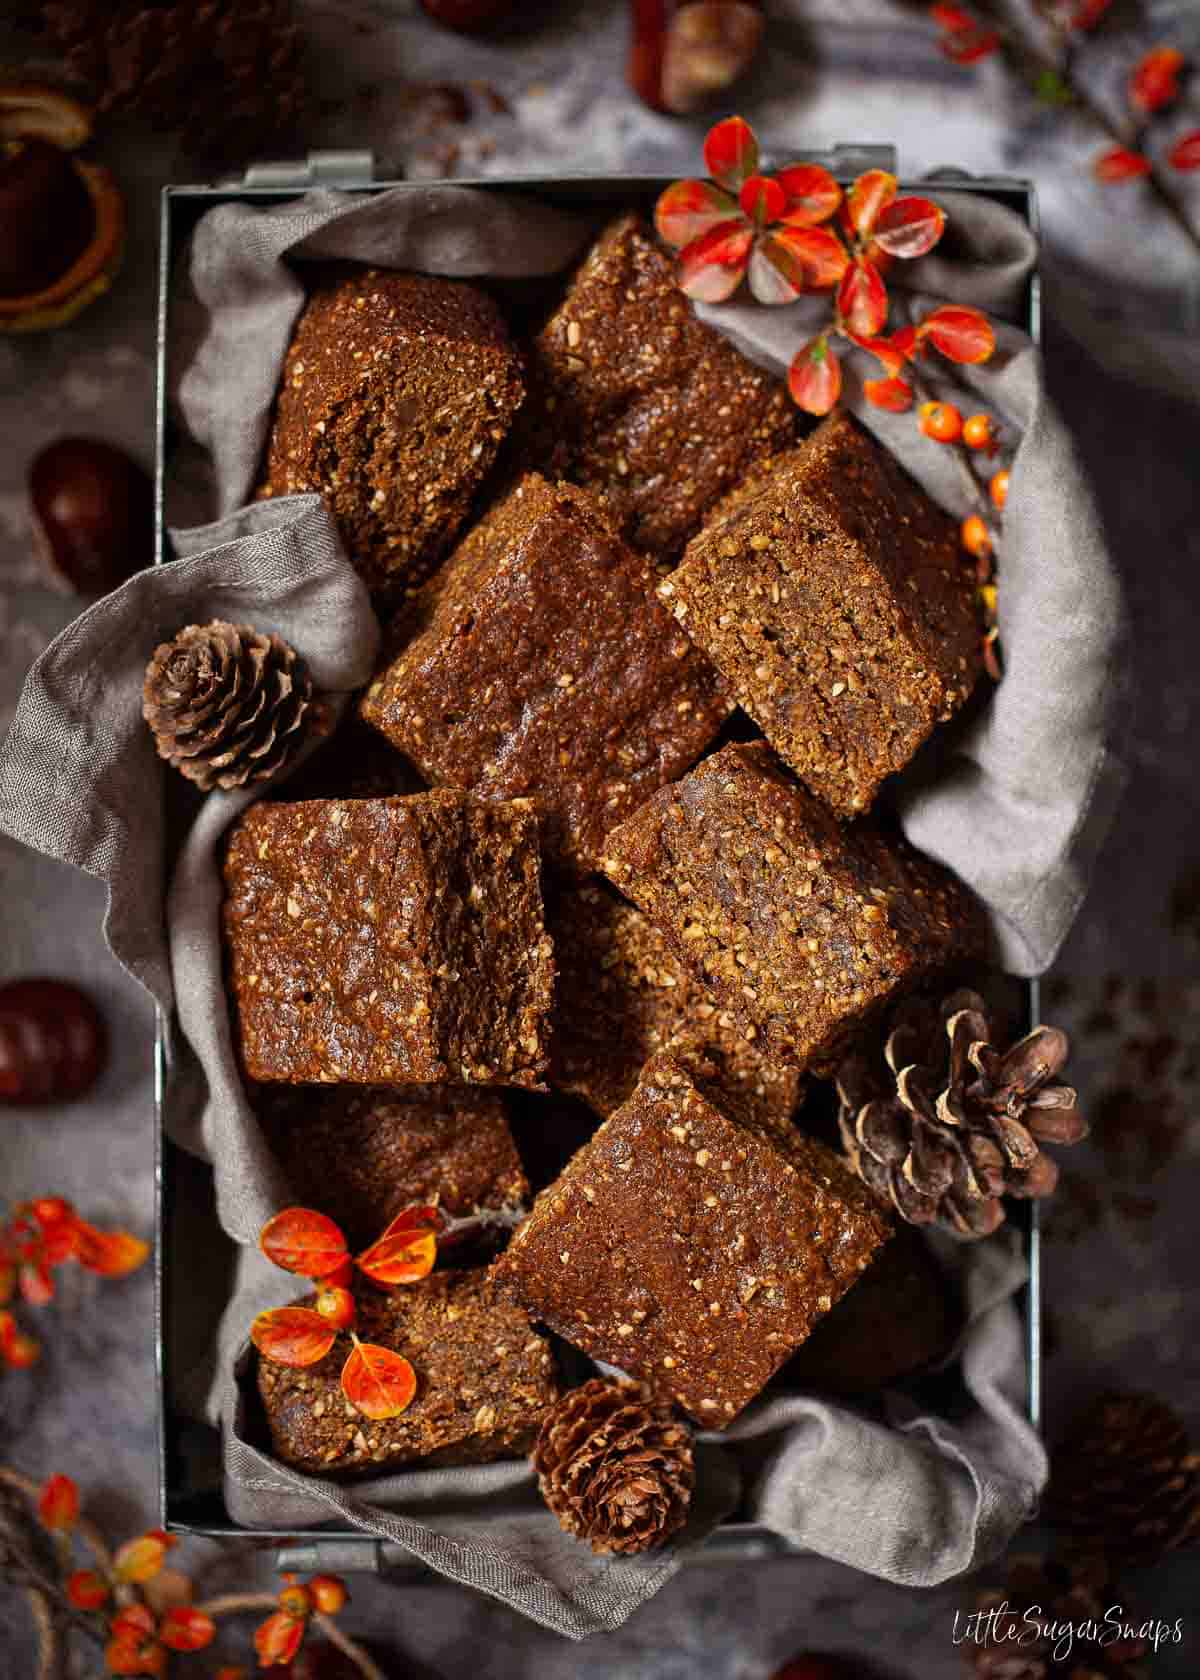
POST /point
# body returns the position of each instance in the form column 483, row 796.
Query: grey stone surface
column 1121, row 1264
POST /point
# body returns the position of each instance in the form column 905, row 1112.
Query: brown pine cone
column 228, row 705
column 1017, row 1633
column 953, row 1123
column 615, row 1466
column 225, row 74
column 1125, row 1479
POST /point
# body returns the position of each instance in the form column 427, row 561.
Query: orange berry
column 999, row 487
column 328, row 1593
column 979, row 432
column 295, row 1601
column 940, row 421
column 976, row 538
column 336, row 1307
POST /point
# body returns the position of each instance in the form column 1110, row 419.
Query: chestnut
column 62, row 221
column 92, row 508
column 46, row 216
column 53, row 1042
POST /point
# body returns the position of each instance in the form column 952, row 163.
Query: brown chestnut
column 319, row 1660
column 92, row 507
column 53, row 1042
column 46, row 216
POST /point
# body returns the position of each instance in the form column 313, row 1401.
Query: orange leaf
column 862, row 300
column 961, row 334
column 109, row 1254
column 688, row 209
column 1120, row 164
column 868, row 197
column 885, row 349
column 87, row 1590
column 731, row 152
column 711, row 267
column 278, row 1640
column 893, row 394
column 58, row 1504
column 762, row 199
column 377, row 1382
column 139, row 1560
column 405, row 1257
column 812, row 194
column 185, row 1629
column 910, row 227
column 302, row 1241
column 418, row 1216
column 36, row 1284
column 819, row 255
column 292, row 1335
column 1185, row 153
column 815, row 377
column 1154, row 83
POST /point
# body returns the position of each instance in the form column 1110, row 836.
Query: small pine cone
column 615, row 1466
column 945, row 1123
column 228, row 705
column 1125, row 1480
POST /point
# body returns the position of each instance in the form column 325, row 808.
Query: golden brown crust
column 834, row 598
column 800, row 927
column 622, row 997
column 397, row 391
column 689, row 1250
column 633, row 396
column 538, row 663
column 388, row 941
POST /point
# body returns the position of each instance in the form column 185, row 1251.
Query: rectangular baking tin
column 189, row 1502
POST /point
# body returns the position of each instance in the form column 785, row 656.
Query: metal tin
column 189, row 1498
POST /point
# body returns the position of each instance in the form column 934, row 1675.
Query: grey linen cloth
column 1012, row 799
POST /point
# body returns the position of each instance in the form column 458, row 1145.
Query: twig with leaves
column 132, row 1608
column 1045, row 52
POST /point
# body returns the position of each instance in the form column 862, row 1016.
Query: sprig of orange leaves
column 796, row 232
column 140, row 1612
column 376, row 1381
column 971, row 33
column 38, row 1237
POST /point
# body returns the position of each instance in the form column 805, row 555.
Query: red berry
column 940, row 421
column 979, row 432
column 328, row 1593
column 469, row 17
column 976, row 538
column 999, row 487
column 53, row 1043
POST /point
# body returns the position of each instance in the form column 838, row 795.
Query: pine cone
column 615, row 1466
column 1019, row 1631
column 225, row 74
column 1125, row 1479
column 228, row 705
column 954, row 1123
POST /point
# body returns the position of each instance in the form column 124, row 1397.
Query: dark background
column 1123, row 294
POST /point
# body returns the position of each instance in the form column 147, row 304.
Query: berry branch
column 971, row 34
column 127, row 1604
